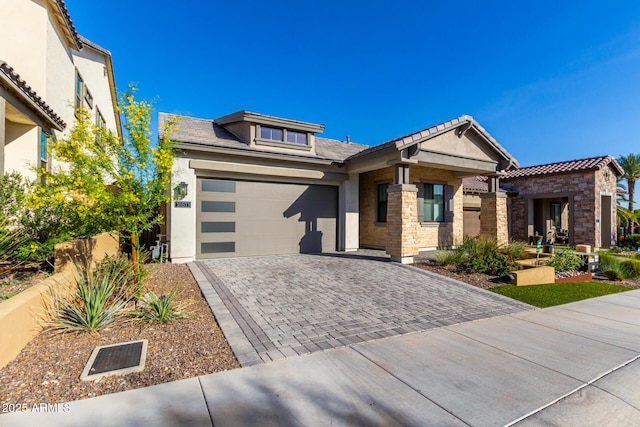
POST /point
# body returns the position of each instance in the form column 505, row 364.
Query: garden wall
column 23, row 316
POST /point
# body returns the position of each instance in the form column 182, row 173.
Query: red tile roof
column 592, row 163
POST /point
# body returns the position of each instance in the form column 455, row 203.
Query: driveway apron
column 274, row 307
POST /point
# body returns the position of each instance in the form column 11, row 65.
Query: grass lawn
column 558, row 293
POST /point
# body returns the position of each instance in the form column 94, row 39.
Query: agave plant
column 97, row 301
column 163, row 309
column 11, row 239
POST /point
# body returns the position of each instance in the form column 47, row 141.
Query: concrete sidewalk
column 576, row 364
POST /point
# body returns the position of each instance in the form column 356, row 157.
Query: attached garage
column 245, row 218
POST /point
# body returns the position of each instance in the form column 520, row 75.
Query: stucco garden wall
column 23, row 316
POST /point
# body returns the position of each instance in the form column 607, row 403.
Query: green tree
column 105, row 184
column 631, row 166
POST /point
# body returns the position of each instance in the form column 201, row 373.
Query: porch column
column 493, row 216
column 402, row 218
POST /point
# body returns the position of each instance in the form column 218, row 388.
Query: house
column 47, row 69
column 576, row 199
column 253, row 184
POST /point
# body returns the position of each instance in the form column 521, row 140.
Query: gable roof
column 12, row 82
column 465, row 122
column 588, row 164
column 62, row 14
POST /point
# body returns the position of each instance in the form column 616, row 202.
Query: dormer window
column 296, row 137
column 282, row 137
column 273, row 134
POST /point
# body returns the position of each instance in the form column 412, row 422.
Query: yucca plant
column 163, row 309
column 97, row 301
column 11, row 240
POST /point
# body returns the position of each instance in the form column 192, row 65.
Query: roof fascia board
column 247, row 116
column 264, row 170
column 62, row 14
column 456, row 163
column 190, row 146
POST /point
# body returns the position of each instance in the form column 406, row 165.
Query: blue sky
column 551, row 81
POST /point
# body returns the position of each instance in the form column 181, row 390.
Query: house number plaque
column 182, row 204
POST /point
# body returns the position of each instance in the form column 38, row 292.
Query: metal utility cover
column 115, row 359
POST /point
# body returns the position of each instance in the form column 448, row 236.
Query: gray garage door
column 242, row 218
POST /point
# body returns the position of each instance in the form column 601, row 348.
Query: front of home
column 252, row 184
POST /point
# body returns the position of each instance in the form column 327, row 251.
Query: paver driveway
column 279, row 306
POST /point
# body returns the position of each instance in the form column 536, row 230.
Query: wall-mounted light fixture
column 181, row 190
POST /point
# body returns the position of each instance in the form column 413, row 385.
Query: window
column 382, row 202
column 433, row 203
column 100, row 124
column 270, row 135
column 297, row 137
column 79, row 90
column 555, row 215
column 273, row 134
column 44, row 147
column 88, row 97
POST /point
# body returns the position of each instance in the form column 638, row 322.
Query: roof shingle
column 591, row 163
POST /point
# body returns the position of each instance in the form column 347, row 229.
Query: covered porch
column 411, row 194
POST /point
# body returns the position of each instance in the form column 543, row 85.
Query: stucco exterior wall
column 182, row 221
column 23, row 31
column 429, row 235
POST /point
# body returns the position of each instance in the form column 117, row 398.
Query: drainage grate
column 115, row 359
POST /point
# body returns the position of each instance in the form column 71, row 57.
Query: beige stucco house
column 572, row 201
column 47, row 69
column 252, row 184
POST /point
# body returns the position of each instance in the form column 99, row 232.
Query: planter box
column 534, row 276
column 586, row 277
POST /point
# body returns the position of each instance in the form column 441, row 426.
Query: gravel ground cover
column 48, row 369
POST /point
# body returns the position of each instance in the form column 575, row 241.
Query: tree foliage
column 103, row 183
column 631, row 165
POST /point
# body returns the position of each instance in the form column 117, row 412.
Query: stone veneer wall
column 428, row 235
column 586, row 188
column 402, row 216
column 493, row 217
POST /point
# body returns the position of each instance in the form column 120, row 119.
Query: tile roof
column 475, row 184
column 479, row 183
column 9, row 77
column 208, row 133
column 62, row 7
column 86, row 42
column 591, row 163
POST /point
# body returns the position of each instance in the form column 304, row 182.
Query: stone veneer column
column 493, row 217
column 402, row 222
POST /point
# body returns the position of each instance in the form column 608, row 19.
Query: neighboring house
column 252, row 184
column 47, row 69
column 576, row 197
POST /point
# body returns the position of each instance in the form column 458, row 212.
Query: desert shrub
column 615, row 249
column 614, row 274
column 482, row 255
column 163, row 309
column 97, row 300
column 631, row 241
column 515, row 249
column 565, row 261
column 447, row 257
column 630, row 267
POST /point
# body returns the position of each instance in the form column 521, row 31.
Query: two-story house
column 46, row 70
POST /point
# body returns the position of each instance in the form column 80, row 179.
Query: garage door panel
column 269, row 218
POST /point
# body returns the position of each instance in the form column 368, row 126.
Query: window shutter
column 420, row 201
column 448, row 203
